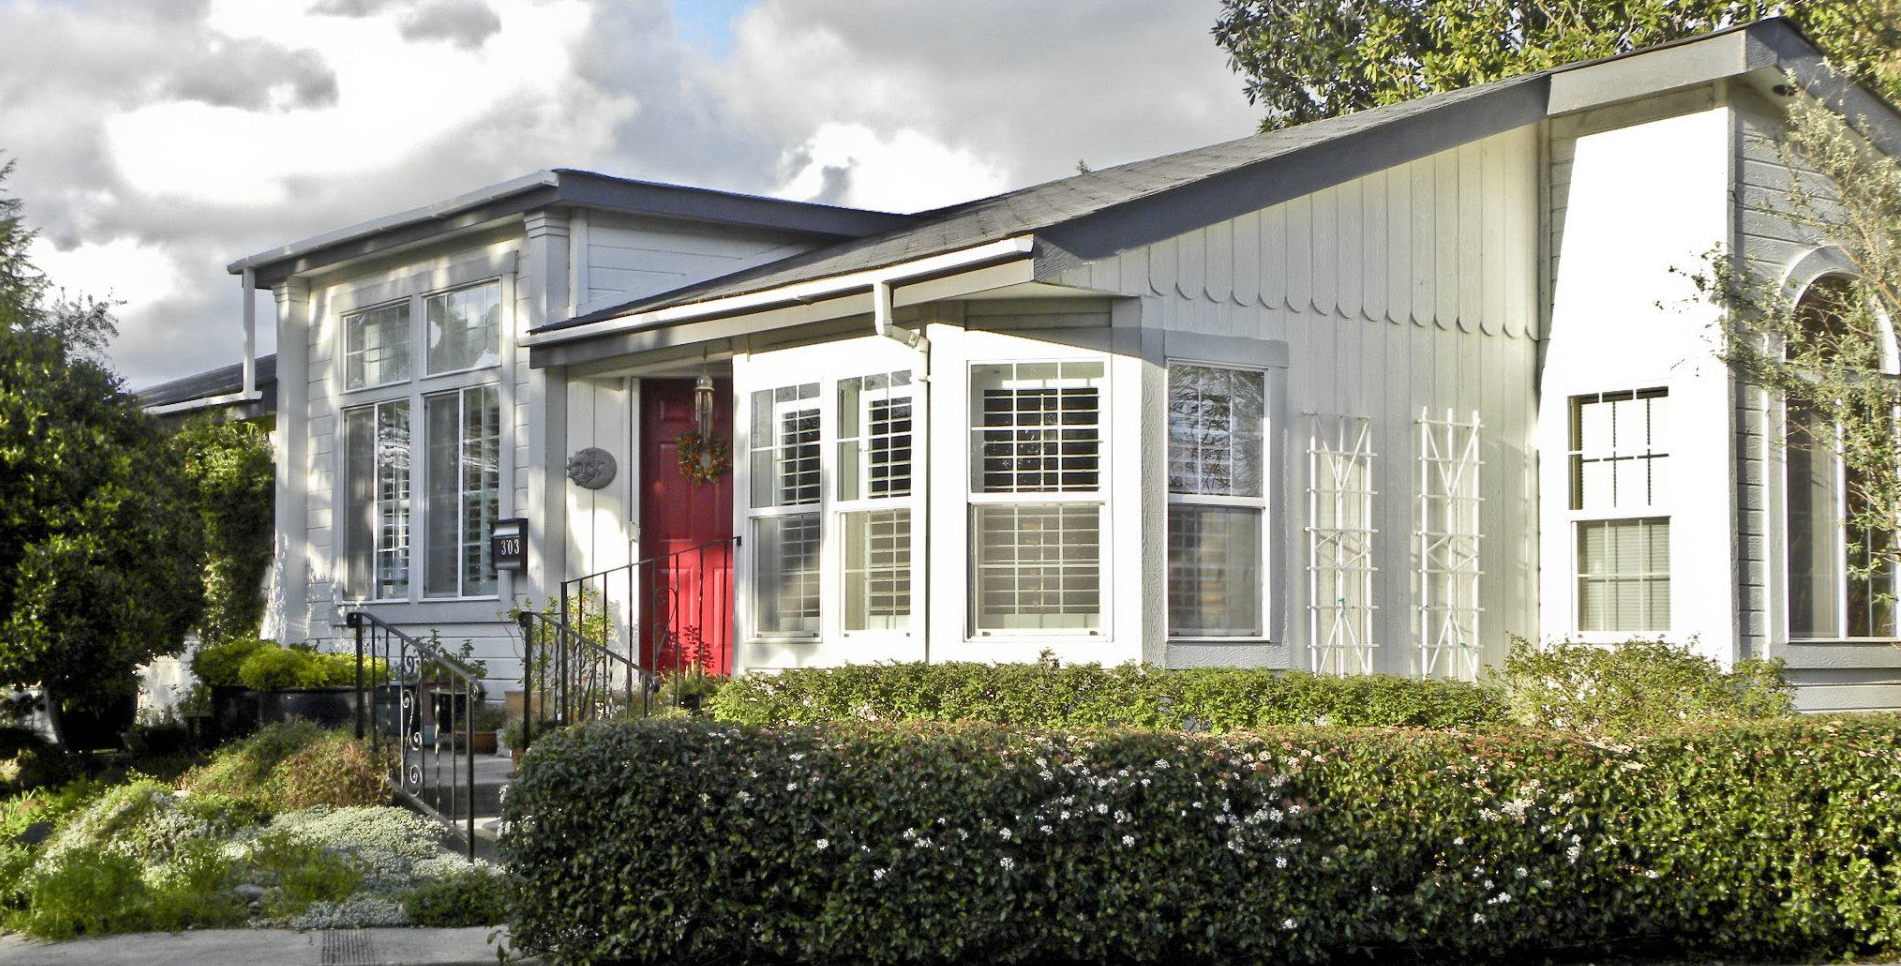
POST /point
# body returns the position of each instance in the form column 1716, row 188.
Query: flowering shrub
column 1635, row 685
column 685, row 841
column 1049, row 695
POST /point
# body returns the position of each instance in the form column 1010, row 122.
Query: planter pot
column 481, row 742
column 102, row 728
column 329, row 707
column 234, row 711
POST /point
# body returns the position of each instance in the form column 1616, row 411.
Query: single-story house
column 1370, row 394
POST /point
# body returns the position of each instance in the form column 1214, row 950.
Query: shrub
column 1048, row 695
column 219, row 664
column 959, row 843
column 1636, row 686
column 86, row 892
column 291, row 766
column 301, row 873
column 477, row 896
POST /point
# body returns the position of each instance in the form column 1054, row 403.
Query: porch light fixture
column 703, row 405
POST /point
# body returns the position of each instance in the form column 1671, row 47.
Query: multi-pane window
column 1619, row 463
column 376, row 344
column 1216, row 500
column 1037, row 495
column 463, row 430
column 874, row 483
column 785, row 498
column 1842, row 579
column 463, row 327
column 376, row 467
column 450, row 458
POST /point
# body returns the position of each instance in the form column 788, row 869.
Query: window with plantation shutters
column 874, row 500
column 1619, row 471
column 786, row 492
column 1036, row 489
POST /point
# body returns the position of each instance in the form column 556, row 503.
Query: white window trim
column 412, row 288
column 1100, row 498
column 461, row 401
column 1655, row 510
column 1263, row 503
column 816, row 508
column 865, row 503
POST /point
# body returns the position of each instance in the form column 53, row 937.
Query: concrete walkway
column 267, row 947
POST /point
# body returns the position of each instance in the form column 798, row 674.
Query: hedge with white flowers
column 1051, row 695
column 686, row 842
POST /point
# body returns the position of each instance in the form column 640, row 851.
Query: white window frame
column 1838, row 507
column 911, row 501
column 1653, row 509
column 815, row 509
column 461, row 397
column 1260, row 503
column 483, row 269
column 411, row 514
column 1099, row 498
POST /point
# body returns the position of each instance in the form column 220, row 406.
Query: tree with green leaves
column 1308, row 59
column 232, row 470
column 101, row 542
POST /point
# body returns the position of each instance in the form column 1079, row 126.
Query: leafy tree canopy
column 101, row 545
column 1309, row 59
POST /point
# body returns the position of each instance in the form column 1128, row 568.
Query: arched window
column 1842, row 581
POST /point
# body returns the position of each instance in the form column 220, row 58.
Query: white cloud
column 158, row 141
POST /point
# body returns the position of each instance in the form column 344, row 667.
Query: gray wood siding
column 1412, row 288
column 1830, row 676
column 628, row 259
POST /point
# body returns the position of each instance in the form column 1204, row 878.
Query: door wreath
column 704, row 457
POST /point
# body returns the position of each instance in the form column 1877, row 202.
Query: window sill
column 1252, row 639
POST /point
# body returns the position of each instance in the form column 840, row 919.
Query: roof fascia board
column 703, row 205
column 392, row 239
column 1875, row 118
column 1658, row 71
column 846, row 304
column 1300, row 172
column 946, row 263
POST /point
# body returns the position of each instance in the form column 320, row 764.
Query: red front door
column 686, row 586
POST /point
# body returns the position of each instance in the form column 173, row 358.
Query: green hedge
column 1048, row 695
column 690, row 842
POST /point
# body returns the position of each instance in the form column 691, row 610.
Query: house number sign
column 508, row 544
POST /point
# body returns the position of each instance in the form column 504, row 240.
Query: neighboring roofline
column 1509, row 103
column 212, row 388
column 564, row 186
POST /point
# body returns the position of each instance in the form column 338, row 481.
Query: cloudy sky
column 158, row 140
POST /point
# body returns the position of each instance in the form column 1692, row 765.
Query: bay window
column 874, row 489
column 1217, row 501
column 784, row 507
column 1619, row 473
column 449, row 459
column 1037, row 497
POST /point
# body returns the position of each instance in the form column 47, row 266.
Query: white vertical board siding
column 1413, row 287
column 630, row 258
column 1829, row 675
column 1642, row 198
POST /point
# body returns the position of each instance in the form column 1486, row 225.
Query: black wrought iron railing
column 568, row 677
column 670, row 613
column 416, row 703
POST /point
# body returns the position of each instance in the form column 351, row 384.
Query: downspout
column 881, row 324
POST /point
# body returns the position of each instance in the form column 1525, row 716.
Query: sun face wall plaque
column 591, row 468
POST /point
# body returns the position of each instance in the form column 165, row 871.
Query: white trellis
column 1340, row 535
column 1446, row 548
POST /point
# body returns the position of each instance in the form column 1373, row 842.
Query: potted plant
column 484, row 721
column 519, row 736
column 233, row 707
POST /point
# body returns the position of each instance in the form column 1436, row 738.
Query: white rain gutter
column 249, row 391
column 800, row 292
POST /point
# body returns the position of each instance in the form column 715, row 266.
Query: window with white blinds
column 874, row 495
column 1036, row 488
column 786, row 526
column 1216, row 419
column 1619, row 464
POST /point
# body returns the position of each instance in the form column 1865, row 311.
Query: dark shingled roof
column 222, row 381
column 1042, row 206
